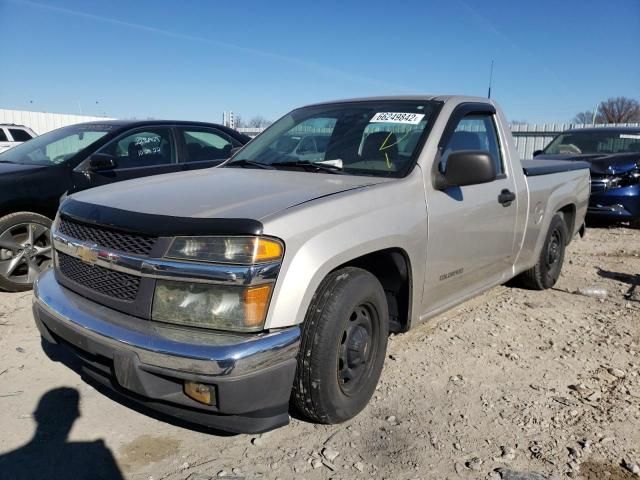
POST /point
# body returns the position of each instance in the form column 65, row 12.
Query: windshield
column 360, row 138
column 576, row 143
column 55, row 147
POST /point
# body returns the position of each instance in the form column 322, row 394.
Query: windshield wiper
column 325, row 167
column 5, row 161
column 244, row 163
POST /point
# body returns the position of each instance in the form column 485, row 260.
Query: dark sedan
column 35, row 174
column 614, row 157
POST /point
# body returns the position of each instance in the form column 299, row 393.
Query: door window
column 475, row 132
column 19, row 135
column 144, row 148
column 3, row 136
column 204, row 144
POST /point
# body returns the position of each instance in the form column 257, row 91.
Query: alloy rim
column 25, row 251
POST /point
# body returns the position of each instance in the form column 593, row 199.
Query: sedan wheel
column 25, row 250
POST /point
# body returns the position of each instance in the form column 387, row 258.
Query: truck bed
column 533, row 168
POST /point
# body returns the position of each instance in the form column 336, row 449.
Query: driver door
column 471, row 241
column 140, row 153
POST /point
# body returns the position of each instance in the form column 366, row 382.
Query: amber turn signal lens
column 200, row 392
column 256, row 300
column 267, row 249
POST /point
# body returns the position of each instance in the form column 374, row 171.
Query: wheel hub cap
column 356, row 349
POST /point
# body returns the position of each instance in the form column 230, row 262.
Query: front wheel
column 546, row 271
column 344, row 344
column 25, row 249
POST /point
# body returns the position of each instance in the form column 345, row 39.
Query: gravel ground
column 539, row 382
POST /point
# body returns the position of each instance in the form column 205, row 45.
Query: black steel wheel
column 25, row 249
column 344, row 343
column 547, row 270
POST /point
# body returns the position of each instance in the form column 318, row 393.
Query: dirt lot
column 545, row 382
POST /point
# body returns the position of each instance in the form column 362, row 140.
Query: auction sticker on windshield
column 397, row 117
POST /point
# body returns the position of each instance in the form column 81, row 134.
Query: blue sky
column 194, row 59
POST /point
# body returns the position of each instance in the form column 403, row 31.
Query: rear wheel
column 25, row 249
column 344, row 343
column 547, row 270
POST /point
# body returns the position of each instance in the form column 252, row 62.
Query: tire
column 546, row 271
column 334, row 383
column 25, row 249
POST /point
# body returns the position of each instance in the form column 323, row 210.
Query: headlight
column 220, row 307
column 238, row 250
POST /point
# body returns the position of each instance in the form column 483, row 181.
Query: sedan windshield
column 57, row 146
column 358, row 138
column 605, row 142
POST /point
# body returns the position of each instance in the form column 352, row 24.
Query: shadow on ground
column 50, row 454
column 630, row 279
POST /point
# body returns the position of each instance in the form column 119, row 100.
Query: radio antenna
column 490, row 79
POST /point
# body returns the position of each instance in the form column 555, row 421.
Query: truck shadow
column 50, row 454
column 60, row 354
column 630, row 279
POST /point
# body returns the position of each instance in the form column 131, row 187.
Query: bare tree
column 620, row 110
column 584, row 117
column 238, row 121
column 258, row 122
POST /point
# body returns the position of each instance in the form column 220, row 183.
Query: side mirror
column 233, row 151
column 466, row 167
column 102, row 161
column 537, row 152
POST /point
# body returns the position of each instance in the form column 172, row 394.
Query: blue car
column 614, row 157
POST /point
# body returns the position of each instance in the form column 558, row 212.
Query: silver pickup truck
column 226, row 296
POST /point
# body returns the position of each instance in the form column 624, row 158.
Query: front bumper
column 148, row 362
column 621, row 204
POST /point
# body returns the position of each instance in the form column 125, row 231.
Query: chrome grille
column 119, row 285
column 104, row 237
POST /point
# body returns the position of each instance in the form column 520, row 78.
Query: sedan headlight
column 238, row 250
column 220, row 307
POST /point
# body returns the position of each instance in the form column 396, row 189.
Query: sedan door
column 203, row 147
column 139, row 153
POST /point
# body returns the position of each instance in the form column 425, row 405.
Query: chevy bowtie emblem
column 87, row 253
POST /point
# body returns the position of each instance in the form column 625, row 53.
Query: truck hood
column 222, row 192
column 601, row 164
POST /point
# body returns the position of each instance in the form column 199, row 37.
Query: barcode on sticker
column 397, row 117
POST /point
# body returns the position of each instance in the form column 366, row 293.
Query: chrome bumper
column 78, row 321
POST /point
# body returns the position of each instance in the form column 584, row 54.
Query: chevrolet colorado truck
column 226, row 296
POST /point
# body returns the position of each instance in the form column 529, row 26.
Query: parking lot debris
column 632, row 467
column 474, row 464
column 616, row 372
column 257, row 441
column 330, row 454
column 594, row 292
column 506, row 474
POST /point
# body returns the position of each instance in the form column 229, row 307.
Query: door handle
column 506, row 197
